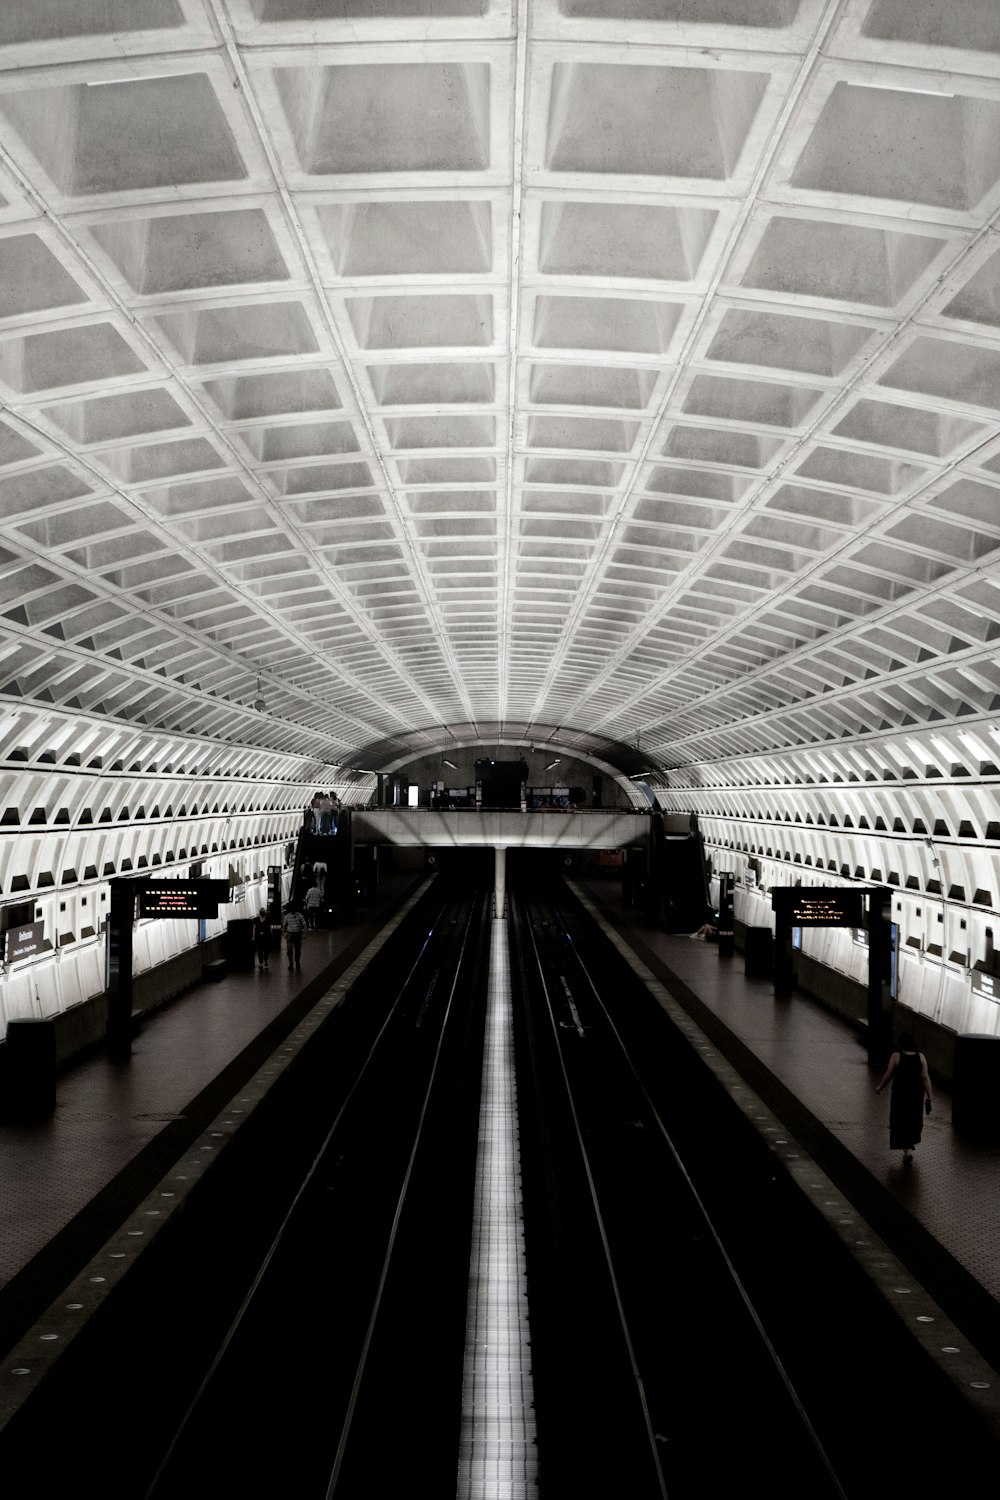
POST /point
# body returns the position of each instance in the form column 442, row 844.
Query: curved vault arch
column 663, row 405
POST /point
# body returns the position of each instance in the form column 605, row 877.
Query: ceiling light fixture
column 104, row 83
column 901, row 88
column 258, row 702
column 552, row 764
column 452, row 764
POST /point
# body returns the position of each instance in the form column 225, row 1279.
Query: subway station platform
column 118, row 1127
column 939, row 1218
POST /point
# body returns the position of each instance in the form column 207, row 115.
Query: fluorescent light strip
column 104, row 83
column 897, row 88
column 497, row 1455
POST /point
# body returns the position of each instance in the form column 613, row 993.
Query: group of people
column 313, row 874
column 294, row 923
column 322, row 813
column 300, row 914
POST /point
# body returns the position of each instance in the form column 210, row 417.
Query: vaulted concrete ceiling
column 620, row 372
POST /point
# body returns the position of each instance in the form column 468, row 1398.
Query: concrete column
column 500, row 883
column 121, row 920
column 879, row 974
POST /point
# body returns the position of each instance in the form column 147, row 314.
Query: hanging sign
column 23, row 942
column 812, row 906
column 182, row 898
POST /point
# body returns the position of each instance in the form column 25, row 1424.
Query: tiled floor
column 953, row 1190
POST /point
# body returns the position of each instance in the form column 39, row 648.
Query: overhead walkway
column 592, row 828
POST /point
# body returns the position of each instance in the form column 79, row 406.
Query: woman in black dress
column 911, row 1094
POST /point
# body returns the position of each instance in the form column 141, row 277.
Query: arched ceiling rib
column 618, row 370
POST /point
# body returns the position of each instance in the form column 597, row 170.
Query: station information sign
column 985, row 984
column 182, row 898
column 812, row 906
column 23, row 942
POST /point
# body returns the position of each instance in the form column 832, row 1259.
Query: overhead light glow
column 103, row 83
column 899, row 88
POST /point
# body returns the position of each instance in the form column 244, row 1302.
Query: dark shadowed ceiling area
column 621, row 375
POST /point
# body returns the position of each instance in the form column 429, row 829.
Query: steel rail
column 707, row 1220
column 598, row 1216
column 359, row 1375
column 280, row 1234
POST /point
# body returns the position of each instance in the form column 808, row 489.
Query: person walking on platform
column 311, row 903
column 911, row 1093
column 261, row 934
column 293, row 926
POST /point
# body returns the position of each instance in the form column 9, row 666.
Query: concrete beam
column 509, row 830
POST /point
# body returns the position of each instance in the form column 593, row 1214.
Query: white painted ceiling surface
column 623, row 373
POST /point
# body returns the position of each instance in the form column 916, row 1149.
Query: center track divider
column 498, row 1455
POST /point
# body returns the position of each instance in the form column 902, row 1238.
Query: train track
column 357, row 1308
column 695, row 1324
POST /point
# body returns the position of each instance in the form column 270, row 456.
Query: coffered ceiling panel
column 599, row 368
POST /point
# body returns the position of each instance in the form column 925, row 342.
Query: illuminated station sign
column 805, row 906
column 182, row 898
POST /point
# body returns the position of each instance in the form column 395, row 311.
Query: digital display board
column 23, row 942
column 182, row 898
column 804, row 906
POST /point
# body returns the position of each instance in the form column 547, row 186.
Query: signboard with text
column 23, row 942
column 985, row 984
column 811, row 906
column 182, row 898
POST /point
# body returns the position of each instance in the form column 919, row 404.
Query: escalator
column 333, row 850
column 677, row 890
